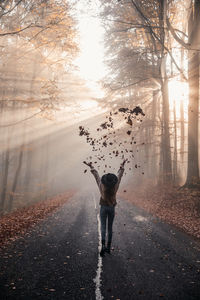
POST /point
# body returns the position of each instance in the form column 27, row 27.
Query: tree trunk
column 167, row 164
column 16, row 178
column 153, row 133
column 19, row 165
column 5, row 179
column 193, row 107
column 182, row 124
column 28, row 168
column 175, row 173
column 30, row 145
column 193, row 72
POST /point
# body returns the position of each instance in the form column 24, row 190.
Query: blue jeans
column 107, row 212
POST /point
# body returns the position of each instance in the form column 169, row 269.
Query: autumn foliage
column 111, row 137
column 179, row 207
column 18, row 222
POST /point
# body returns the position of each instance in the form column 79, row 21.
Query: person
column 108, row 185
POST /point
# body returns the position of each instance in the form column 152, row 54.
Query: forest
column 37, row 46
column 106, row 89
column 152, row 59
column 153, row 55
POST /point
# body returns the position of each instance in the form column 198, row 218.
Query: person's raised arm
column 94, row 172
column 120, row 173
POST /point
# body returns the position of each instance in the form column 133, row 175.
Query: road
column 59, row 259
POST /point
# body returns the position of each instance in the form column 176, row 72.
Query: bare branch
column 158, row 39
column 20, row 30
column 128, row 85
column 8, row 11
column 175, row 36
column 40, row 31
column 20, row 121
column 139, row 25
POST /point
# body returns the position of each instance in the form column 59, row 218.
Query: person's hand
column 123, row 163
column 88, row 164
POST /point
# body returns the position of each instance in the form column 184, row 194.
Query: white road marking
column 97, row 279
column 95, row 204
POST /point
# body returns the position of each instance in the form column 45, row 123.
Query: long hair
column 109, row 181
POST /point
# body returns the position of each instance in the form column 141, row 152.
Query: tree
column 193, row 107
column 141, row 38
column 193, row 47
column 38, row 39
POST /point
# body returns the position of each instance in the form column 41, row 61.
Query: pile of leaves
column 107, row 137
column 17, row 223
column 180, row 207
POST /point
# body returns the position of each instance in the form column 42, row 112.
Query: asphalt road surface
column 60, row 259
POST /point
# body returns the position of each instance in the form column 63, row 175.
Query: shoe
column 103, row 249
column 107, row 249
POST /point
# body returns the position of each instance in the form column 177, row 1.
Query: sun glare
column 89, row 104
column 178, row 92
column 90, row 60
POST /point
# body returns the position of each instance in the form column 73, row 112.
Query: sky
column 90, row 61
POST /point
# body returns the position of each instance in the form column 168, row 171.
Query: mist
column 49, row 89
column 90, row 90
